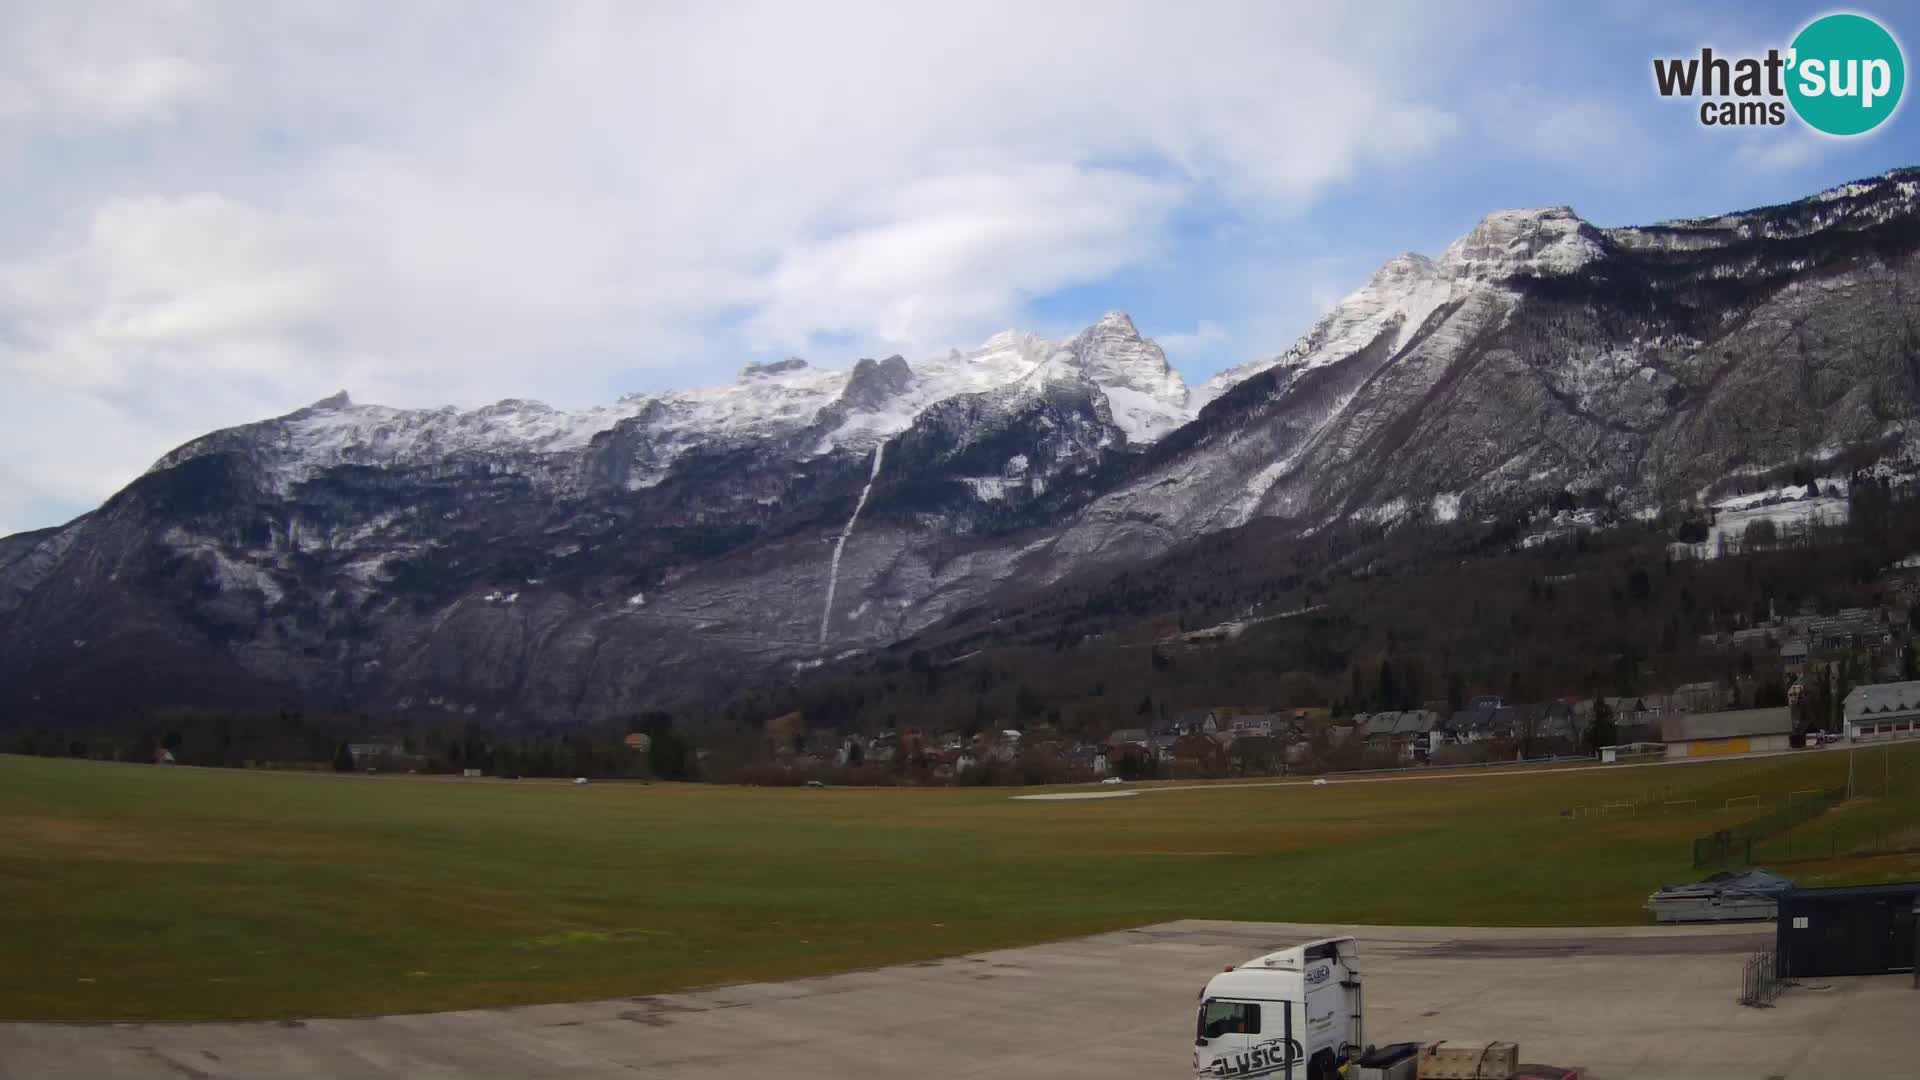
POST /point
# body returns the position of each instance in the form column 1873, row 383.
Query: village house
column 1488, row 718
column 1248, row 724
column 1408, row 733
column 1196, row 755
column 1185, row 721
column 1413, row 735
column 1794, row 655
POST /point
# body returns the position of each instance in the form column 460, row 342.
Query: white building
column 1882, row 711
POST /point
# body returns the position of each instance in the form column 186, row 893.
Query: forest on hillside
column 1364, row 618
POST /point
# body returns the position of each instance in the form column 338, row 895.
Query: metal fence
column 1736, row 844
column 1876, row 840
column 1760, row 981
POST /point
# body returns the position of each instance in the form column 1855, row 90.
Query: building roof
column 1415, row 722
column 1485, row 718
column 1554, row 724
column 1382, row 723
column 1881, row 699
column 1686, row 727
column 1469, row 719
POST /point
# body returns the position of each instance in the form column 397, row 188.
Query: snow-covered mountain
column 517, row 562
column 845, row 409
column 1539, row 352
column 1410, row 287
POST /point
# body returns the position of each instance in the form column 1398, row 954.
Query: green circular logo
column 1846, row 74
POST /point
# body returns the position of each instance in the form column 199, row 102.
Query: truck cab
column 1291, row 1015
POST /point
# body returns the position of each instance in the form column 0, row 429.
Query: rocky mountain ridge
column 518, row 563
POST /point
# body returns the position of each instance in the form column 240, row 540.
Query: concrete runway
column 1639, row 1002
column 1458, row 772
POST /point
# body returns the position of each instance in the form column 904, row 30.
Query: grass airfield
column 135, row 893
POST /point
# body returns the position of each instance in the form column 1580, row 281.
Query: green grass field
column 140, row 893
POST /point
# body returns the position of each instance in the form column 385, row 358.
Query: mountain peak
column 1511, row 243
column 761, row 371
column 330, row 404
column 1402, row 267
column 1008, row 339
column 1147, row 396
column 872, row 382
column 1113, row 352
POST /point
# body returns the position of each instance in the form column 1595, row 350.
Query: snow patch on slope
column 840, row 546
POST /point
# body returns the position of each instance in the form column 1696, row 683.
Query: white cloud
column 183, row 287
column 441, row 202
column 959, row 252
column 1776, row 151
column 138, row 87
column 1205, row 335
column 66, row 71
column 1570, row 134
column 92, row 94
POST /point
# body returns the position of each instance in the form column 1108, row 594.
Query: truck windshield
column 1219, row 1018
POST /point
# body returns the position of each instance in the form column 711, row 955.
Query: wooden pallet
column 1469, row 1061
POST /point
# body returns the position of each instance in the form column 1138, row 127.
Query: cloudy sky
column 214, row 213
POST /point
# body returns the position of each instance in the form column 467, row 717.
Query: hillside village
column 1693, row 720
column 1795, row 680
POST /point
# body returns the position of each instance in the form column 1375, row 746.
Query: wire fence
column 1789, row 848
column 1760, row 980
column 1736, row 845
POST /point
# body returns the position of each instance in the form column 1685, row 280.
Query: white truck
column 1292, row 1015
